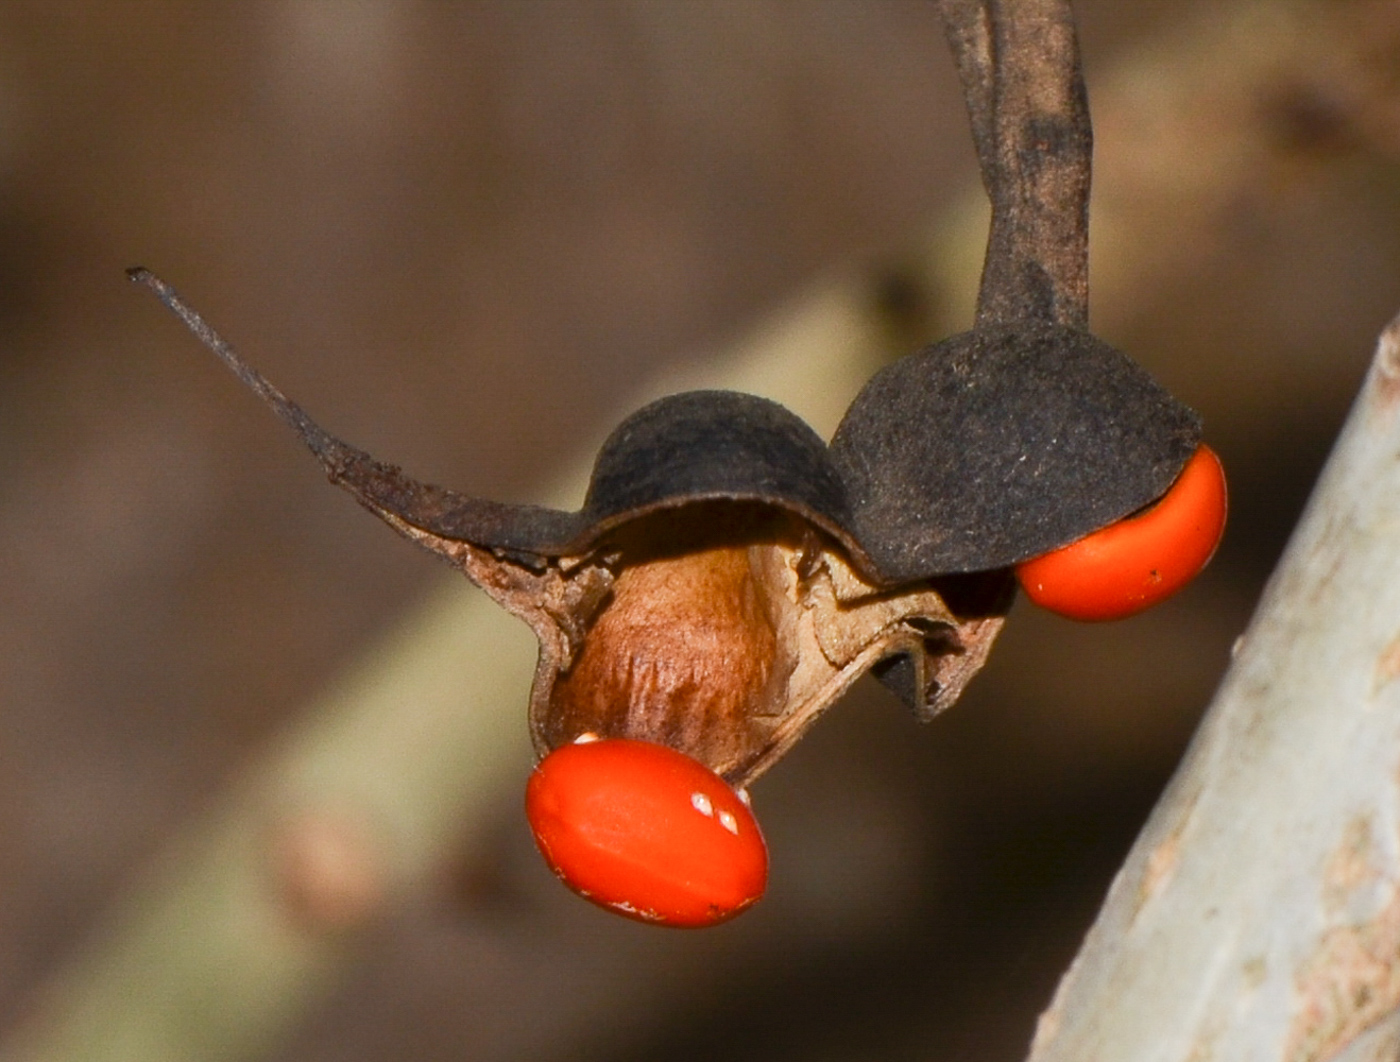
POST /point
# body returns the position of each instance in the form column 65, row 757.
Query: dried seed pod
column 710, row 595
column 729, row 576
column 1027, row 433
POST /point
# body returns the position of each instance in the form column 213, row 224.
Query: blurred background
column 461, row 234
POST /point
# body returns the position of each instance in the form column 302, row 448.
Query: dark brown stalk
column 1019, row 65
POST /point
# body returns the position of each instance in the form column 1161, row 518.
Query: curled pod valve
column 1056, row 456
column 646, row 831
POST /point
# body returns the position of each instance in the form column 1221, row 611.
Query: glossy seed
column 1139, row 561
column 616, row 820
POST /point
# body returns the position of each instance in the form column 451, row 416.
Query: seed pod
column 1027, row 433
column 710, row 595
column 729, row 576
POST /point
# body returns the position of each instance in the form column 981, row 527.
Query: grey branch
column 1258, row 916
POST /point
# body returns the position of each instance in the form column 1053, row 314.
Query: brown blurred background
column 459, row 233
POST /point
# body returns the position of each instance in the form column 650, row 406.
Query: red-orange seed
column 647, row 832
column 1135, row 563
